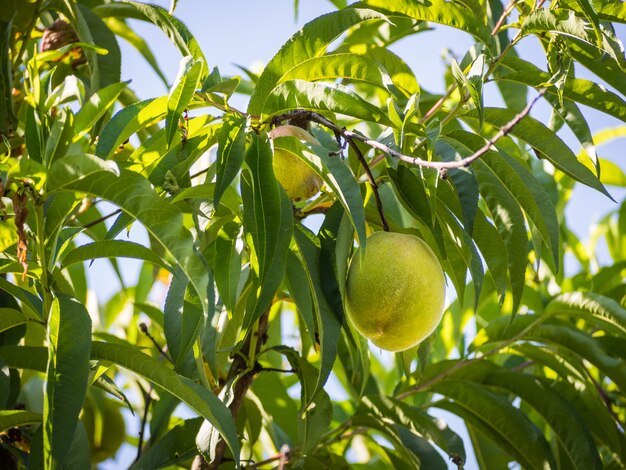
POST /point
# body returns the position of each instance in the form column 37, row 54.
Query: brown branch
column 102, row 219
column 372, row 181
column 242, row 376
column 349, row 135
column 507, row 11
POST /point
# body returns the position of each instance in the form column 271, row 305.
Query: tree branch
column 243, row 376
column 350, row 135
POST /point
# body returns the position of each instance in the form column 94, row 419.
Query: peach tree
column 231, row 347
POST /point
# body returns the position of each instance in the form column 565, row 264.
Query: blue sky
column 249, row 32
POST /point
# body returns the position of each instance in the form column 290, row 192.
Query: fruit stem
column 372, row 181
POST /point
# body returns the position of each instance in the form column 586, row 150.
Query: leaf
column 576, row 89
column 547, row 143
column 300, row 94
column 493, row 250
column 105, row 68
column 438, row 11
column 95, row 108
column 412, row 193
column 228, row 264
column 120, row 28
column 7, row 115
column 602, row 65
column 329, row 326
column 345, row 65
column 311, row 41
column 462, row 244
column 178, row 444
column 200, row 399
column 112, row 249
column 509, row 220
column 523, row 186
column 28, row 300
column 231, row 143
column 335, row 173
column 10, row 317
column 181, row 93
column 268, row 218
column 584, row 305
column 128, row 121
column 415, row 420
column 175, row 30
column 567, row 424
column 554, row 332
column 183, row 319
column 134, row 194
column 505, row 425
column 563, row 22
column 15, row 418
column 69, row 338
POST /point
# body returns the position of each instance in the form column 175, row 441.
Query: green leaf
column 509, row 220
column 268, row 218
column 522, row 185
column 544, row 141
column 14, row 418
column 576, row 89
column 564, row 22
column 567, row 424
column 459, row 241
column 300, row 94
column 438, row 11
column 175, row 30
column 119, row 27
column 8, row 234
column 554, row 332
column 69, row 338
column 418, row 422
column 488, row 455
column 178, row 444
column 10, row 317
column 201, row 400
column 112, row 249
column 231, row 143
column 135, row 195
column 345, row 65
column 493, row 249
column 128, row 121
column 329, row 326
column 311, row 41
column 181, row 93
column 335, row 173
column 29, row 301
column 7, row 115
column 95, row 108
column 589, row 306
column 228, row 264
column 505, row 425
column 105, row 68
column 601, row 64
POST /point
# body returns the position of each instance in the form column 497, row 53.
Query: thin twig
column 372, row 181
column 201, row 172
column 144, row 329
column 349, row 135
column 276, row 369
column 144, row 420
column 507, row 11
column 102, row 219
